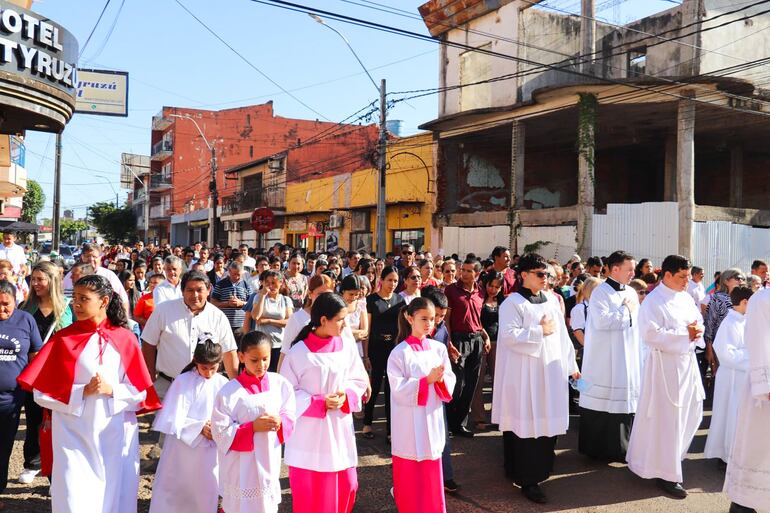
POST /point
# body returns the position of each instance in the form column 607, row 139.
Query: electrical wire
column 109, row 33
column 90, row 35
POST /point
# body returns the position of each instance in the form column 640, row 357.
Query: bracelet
column 366, row 357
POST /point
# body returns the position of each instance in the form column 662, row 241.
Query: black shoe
column 534, row 493
column 675, row 490
column 450, row 486
column 463, row 432
column 737, row 508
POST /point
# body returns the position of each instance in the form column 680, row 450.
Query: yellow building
column 341, row 210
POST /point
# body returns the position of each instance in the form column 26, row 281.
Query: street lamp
column 212, row 182
column 383, row 144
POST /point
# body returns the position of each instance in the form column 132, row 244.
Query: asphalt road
column 577, row 485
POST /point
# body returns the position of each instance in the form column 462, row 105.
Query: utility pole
column 587, row 33
column 56, row 195
column 214, row 197
column 147, row 208
column 381, row 198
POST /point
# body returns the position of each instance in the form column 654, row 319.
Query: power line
column 109, row 32
column 99, row 19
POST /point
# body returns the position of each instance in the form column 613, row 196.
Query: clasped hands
column 97, row 386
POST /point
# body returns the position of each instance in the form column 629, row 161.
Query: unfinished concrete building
column 565, row 134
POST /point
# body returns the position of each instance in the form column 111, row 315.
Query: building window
column 251, row 152
column 361, row 241
column 414, row 237
column 637, row 62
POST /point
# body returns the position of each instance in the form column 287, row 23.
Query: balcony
column 161, row 123
column 158, row 212
column 140, row 196
column 160, row 183
column 18, row 151
column 242, row 201
column 13, row 181
column 162, row 149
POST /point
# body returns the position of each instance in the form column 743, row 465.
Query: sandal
column 367, row 432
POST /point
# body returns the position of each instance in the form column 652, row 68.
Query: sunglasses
column 642, row 292
column 407, row 252
column 414, row 277
column 542, row 274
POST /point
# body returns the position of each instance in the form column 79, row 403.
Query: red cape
column 52, row 372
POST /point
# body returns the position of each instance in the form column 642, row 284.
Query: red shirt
column 510, row 284
column 465, row 308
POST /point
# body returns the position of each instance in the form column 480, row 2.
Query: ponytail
column 116, row 311
column 303, row 334
column 417, row 304
column 326, row 305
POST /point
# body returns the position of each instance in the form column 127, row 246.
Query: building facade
column 555, row 131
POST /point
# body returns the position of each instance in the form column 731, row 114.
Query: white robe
column 611, row 355
column 95, row 439
column 531, row 396
column 730, row 385
column 324, row 444
column 748, row 470
column 250, row 481
column 418, row 432
column 187, row 475
column 671, row 403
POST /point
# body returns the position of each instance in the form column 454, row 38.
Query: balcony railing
column 162, row 149
column 18, row 151
column 242, row 201
column 140, row 195
column 161, row 123
column 159, row 211
column 160, row 182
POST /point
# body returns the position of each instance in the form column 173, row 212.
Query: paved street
column 577, row 485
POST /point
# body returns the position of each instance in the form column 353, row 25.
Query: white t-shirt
column 14, row 254
column 297, row 321
column 577, row 316
column 175, row 330
column 164, row 291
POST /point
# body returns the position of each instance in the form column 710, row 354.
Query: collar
column 417, row 344
column 615, row 285
column 538, row 299
column 317, row 344
column 254, row 384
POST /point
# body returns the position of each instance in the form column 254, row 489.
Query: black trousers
column 34, row 415
column 378, row 357
column 10, row 411
column 528, row 461
column 604, row 436
column 466, row 370
column 706, row 377
column 275, row 355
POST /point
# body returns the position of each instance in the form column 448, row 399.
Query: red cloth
column 465, row 308
column 323, row 492
column 244, row 437
column 510, row 283
column 253, row 384
column 418, row 486
column 316, row 344
column 52, row 372
column 45, row 439
column 422, row 392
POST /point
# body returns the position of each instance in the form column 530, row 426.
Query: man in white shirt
column 92, row 255
column 12, row 252
column 671, row 401
column 170, row 288
column 176, row 327
column 695, row 286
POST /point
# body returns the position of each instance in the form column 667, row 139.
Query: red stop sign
column 263, row 220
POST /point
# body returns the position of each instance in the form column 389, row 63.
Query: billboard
column 102, row 92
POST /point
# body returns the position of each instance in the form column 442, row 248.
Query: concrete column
column 518, row 140
column 669, row 173
column 685, row 173
column 588, row 34
column 587, row 111
column 736, row 176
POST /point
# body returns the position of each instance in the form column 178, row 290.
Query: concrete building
column 13, row 178
column 565, row 134
column 180, row 170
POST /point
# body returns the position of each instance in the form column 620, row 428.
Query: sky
column 172, row 60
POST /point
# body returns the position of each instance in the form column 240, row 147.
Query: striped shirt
column 224, row 290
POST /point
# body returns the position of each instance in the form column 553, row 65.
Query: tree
column 32, row 203
column 71, row 227
column 116, row 224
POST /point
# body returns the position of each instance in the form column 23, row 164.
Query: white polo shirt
column 175, row 330
column 14, row 254
column 164, row 291
column 105, row 273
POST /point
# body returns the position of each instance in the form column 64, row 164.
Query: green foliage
column 70, row 228
column 116, row 224
column 32, row 203
column 536, row 246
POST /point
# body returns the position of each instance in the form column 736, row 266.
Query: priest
column 611, row 364
column 671, row 401
column 747, row 483
column 535, row 360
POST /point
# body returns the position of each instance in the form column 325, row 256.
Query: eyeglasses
column 414, row 277
column 642, row 292
column 407, row 252
column 542, row 274
column 448, row 271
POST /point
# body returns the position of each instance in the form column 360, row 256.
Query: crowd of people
column 251, row 358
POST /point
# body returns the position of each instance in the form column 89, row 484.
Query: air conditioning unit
column 335, row 221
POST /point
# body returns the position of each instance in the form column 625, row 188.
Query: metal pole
column 56, row 194
column 214, row 197
column 381, row 198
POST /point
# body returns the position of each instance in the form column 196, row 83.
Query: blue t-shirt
column 18, row 338
column 248, row 307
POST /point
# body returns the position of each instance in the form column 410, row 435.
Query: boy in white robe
column 731, row 379
column 187, row 475
column 535, row 360
column 671, row 402
column 747, row 483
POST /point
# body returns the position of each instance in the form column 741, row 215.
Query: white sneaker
column 27, row 476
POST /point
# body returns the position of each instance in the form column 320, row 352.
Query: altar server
column 421, row 379
column 611, row 364
column 93, row 377
column 671, row 401
column 731, row 379
column 253, row 415
column 534, row 362
column 329, row 381
column 748, row 468
column 187, row 476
